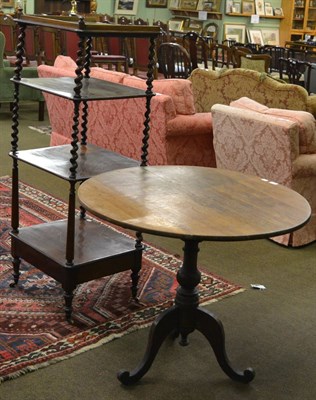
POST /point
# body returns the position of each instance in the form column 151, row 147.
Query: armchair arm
column 256, row 144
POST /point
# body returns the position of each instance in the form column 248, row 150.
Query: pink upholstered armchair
column 279, row 145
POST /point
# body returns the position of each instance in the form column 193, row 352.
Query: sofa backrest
column 223, row 87
column 179, row 90
column 255, row 143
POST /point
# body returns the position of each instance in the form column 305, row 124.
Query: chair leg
column 41, row 108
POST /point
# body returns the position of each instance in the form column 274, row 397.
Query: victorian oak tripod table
column 193, row 204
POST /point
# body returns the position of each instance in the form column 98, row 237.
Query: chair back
column 297, row 72
column 275, row 52
column 50, row 44
column 9, row 28
column 237, row 48
column 198, row 49
column 174, row 61
column 221, row 55
column 2, row 46
column 255, row 62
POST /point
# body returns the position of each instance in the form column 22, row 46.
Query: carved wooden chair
column 9, row 28
column 50, row 44
column 275, row 52
column 174, row 61
column 296, row 71
column 255, row 62
column 239, row 48
column 198, row 49
column 221, row 56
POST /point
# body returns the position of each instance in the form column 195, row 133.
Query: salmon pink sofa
column 178, row 135
column 275, row 144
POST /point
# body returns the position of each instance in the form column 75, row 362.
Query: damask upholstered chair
column 278, row 145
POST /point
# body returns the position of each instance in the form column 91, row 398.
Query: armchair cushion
column 305, row 121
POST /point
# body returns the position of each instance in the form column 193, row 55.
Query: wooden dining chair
column 275, row 52
column 9, row 28
column 296, row 71
column 221, row 56
column 174, row 61
column 255, row 62
column 237, row 48
column 198, row 49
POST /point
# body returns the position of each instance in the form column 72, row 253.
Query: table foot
column 212, row 328
column 164, row 325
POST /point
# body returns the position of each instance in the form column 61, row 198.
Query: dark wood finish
column 258, row 62
column 76, row 250
column 193, row 204
column 174, row 61
column 198, row 49
column 92, row 160
column 294, row 70
column 221, row 55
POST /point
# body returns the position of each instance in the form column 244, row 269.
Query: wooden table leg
column 184, row 317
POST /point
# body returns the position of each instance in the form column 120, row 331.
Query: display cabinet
column 299, row 20
column 77, row 249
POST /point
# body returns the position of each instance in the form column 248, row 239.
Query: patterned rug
column 33, row 330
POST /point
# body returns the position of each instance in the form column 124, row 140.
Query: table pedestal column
column 183, row 318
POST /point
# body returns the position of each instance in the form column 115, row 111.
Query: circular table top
column 194, row 203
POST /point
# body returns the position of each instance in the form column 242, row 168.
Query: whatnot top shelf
column 92, row 88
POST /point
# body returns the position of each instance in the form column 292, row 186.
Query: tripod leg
column 165, row 324
column 213, row 330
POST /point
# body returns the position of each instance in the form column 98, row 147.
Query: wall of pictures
column 153, row 10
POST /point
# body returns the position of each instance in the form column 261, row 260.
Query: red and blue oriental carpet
column 33, row 329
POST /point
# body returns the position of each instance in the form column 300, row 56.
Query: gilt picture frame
column 248, row 7
column 235, row 31
column 260, row 7
column 156, row 3
column 8, row 3
column 126, row 7
column 255, row 36
column 271, row 36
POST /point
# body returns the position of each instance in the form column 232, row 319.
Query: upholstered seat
column 275, row 144
column 7, row 87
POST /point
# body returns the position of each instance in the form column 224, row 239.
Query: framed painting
column 255, row 36
column 236, row 8
column 229, row 6
column 175, row 24
column 248, row 7
column 271, row 36
column 126, row 7
column 188, row 4
column 278, row 11
column 8, row 3
column 268, row 9
column 174, row 4
column 260, row 7
column 235, row 32
column 195, row 26
column 156, row 3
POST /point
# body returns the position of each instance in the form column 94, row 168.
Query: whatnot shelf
column 77, row 249
column 194, row 13
column 249, row 15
